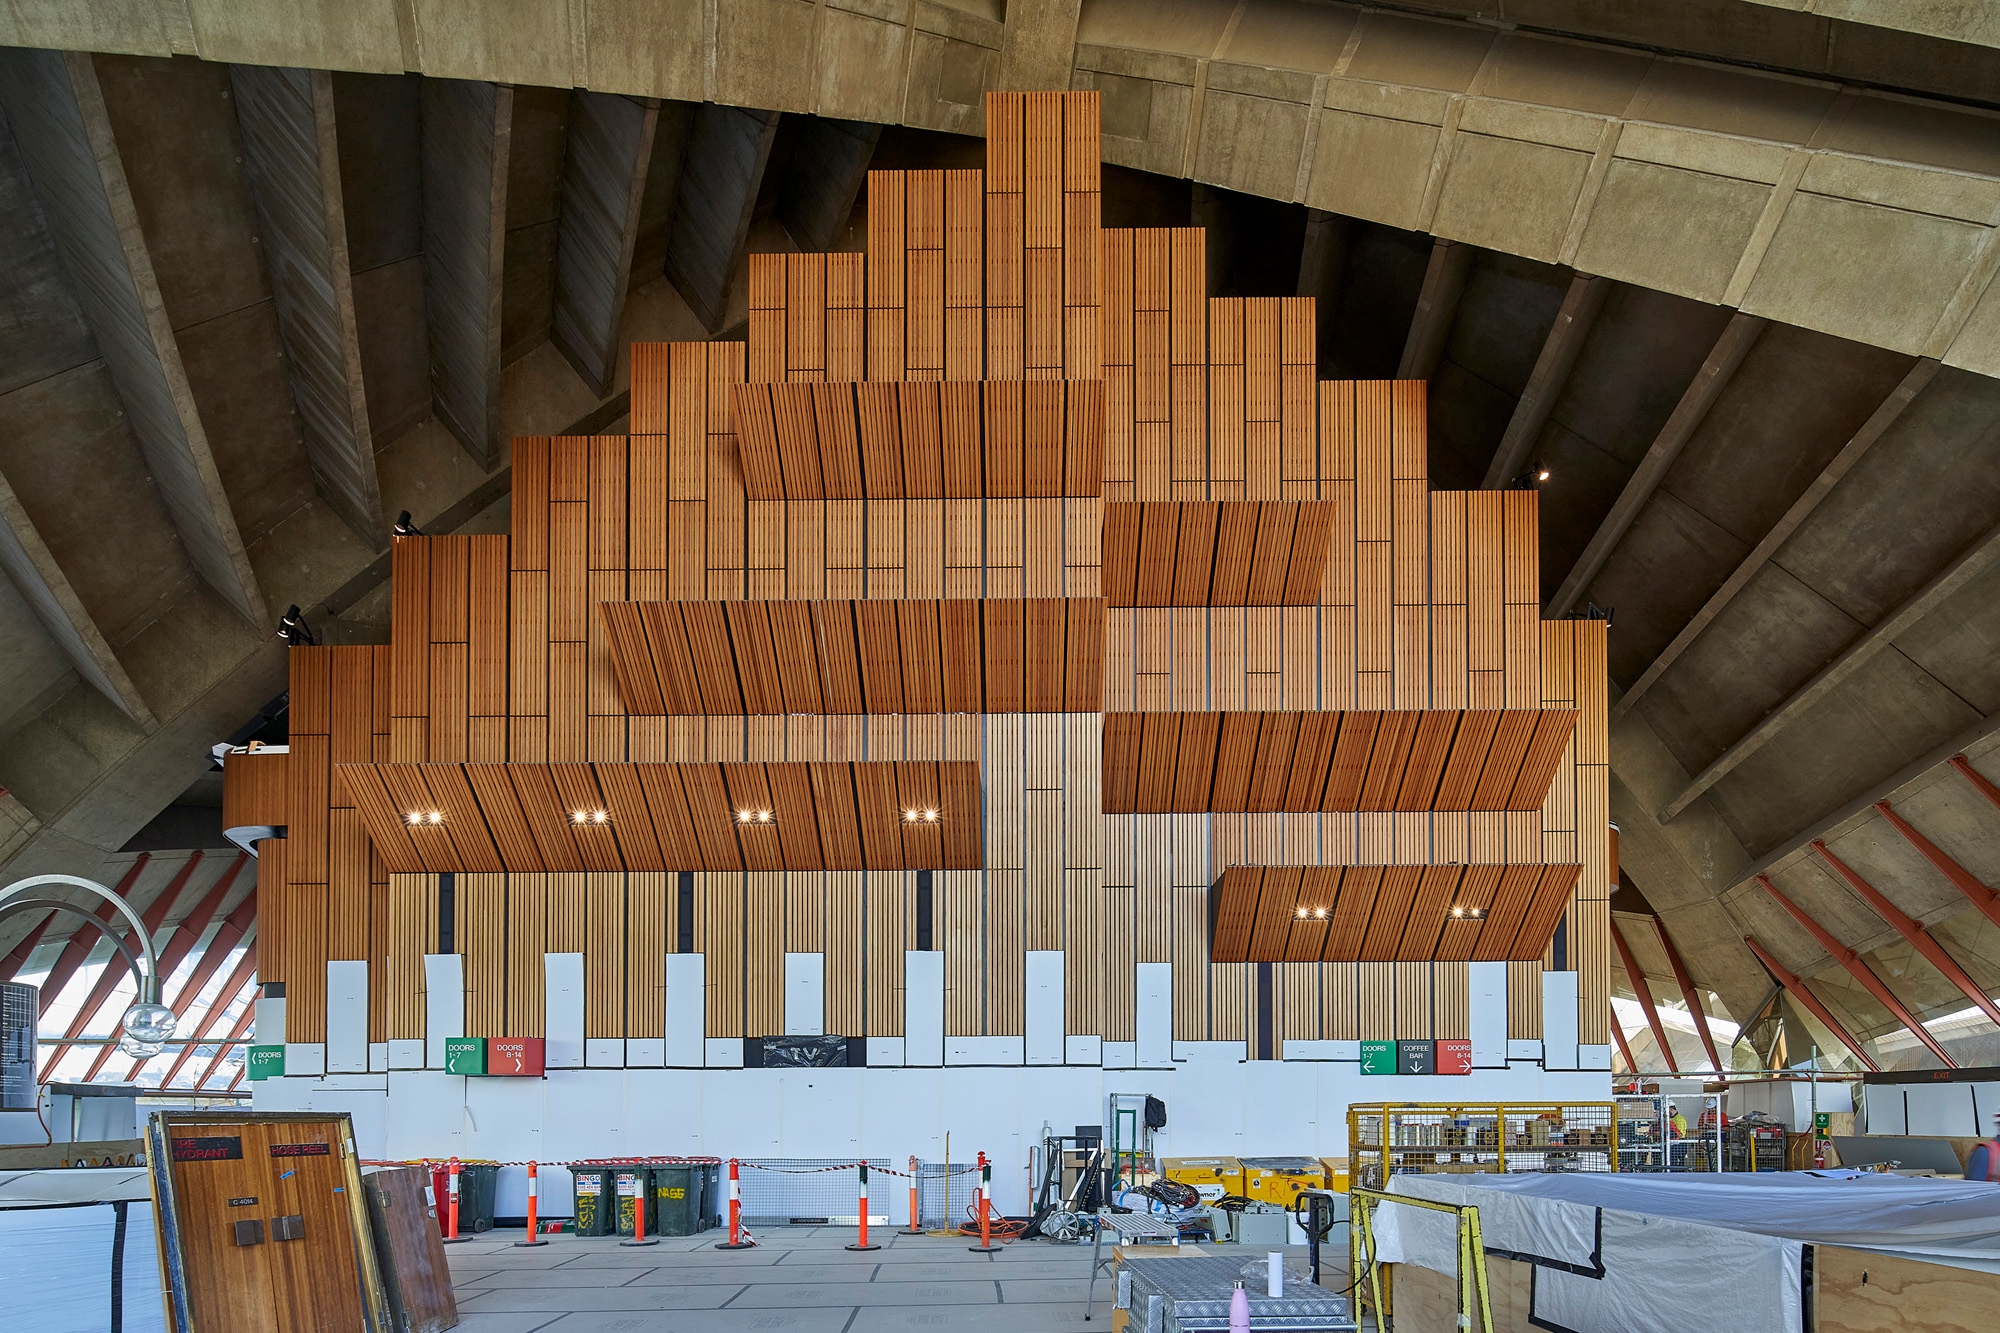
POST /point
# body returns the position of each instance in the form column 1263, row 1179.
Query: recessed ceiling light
column 1302, row 914
column 1320, row 913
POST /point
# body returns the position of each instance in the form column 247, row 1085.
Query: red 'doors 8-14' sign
column 519, row 1056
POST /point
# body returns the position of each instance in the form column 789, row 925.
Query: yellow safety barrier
column 1364, row 1266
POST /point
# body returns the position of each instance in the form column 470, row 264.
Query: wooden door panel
column 313, row 1276
column 288, row 1178
column 219, row 1180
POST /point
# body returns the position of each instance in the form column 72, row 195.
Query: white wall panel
column 269, row 1025
column 923, row 1007
column 1559, row 1000
column 347, row 1017
column 1153, row 1019
column 304, row 1057
column 562, row 1009
column 805, row 995
column 1044, row 1007
column 687, row 1009
column 444, row 1004
column 1934, row 1108
column 1487, row 986
column 1887, row 1111
column 985, row 1050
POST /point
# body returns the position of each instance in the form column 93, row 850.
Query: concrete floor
column 799, row 1278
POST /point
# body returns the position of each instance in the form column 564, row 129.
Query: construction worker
column 1677, row 1122
column 1984, row 1164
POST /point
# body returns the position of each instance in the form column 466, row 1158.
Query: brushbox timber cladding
column 1007, row 496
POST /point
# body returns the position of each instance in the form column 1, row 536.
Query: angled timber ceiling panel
column 603, row 817
column 1216, row 553
column 1379, row 914
column 1444, row 759
column 1034, row 655
column 920, row 440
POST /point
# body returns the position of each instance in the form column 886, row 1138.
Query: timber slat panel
column 1039, row 655
column 1384, row 913
column 1216, row 553
column 915, row 440
column 1158, row 762
column 523, row 817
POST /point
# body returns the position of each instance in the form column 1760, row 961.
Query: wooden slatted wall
column 807, row 318
column 412, row 933
column 1427, row 601
column 329, row 890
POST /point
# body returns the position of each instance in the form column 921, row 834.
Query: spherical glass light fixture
column 149, row 1022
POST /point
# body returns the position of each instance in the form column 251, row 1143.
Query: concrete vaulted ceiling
column 1725, row 268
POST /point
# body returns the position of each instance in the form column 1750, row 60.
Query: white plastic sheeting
column 1604, row 1270
column 1642, row 1252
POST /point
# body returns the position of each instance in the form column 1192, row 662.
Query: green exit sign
column 265, row 1062
column 465, row 1055
column 1378, row 1057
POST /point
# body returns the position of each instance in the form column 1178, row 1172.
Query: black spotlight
column 294, row 630
column 405, row 528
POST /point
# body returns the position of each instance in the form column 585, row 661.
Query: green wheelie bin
column 593, row 1198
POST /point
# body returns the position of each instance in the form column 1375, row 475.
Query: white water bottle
column 1274, row 1275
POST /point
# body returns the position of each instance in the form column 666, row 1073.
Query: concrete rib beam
column 27, row 560
column 59, row 120
column 1437, row 306
column 1737, row 338
column 721, row 174
column 290, row 147
column 1545, row 382
column 1921, row 603
column 1871, row 430
column 604, row 180
column 467, row 138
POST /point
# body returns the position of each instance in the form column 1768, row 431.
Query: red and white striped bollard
column 862, row 1242
column 451, row 1236
column 735, row 1241
column 641, row 1179
column 985, row 1245
column 534, row 1195
column 915, row 1228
